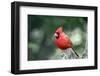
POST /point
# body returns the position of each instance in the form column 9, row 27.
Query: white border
column 26, row 65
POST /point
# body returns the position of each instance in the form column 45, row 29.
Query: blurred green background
column 41, row 29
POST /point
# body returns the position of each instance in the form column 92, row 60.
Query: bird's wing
column 68, row 39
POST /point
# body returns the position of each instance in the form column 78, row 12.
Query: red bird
column 62, row 41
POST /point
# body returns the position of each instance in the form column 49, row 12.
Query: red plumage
column 62, row 40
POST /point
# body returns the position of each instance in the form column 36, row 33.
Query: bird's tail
column 70, row 54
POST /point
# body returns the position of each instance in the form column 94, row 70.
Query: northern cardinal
column 63, row 42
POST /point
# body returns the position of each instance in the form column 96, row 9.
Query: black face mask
column 58, row 35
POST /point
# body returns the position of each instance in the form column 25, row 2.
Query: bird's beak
column 55, row 35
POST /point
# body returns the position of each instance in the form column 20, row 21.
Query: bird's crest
column 59, row 30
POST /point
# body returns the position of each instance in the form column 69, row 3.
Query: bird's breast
column 63, row 43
